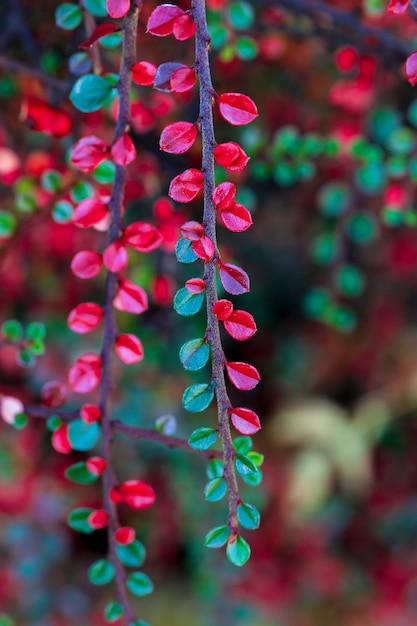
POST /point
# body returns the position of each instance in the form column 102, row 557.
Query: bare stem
column 202, row 39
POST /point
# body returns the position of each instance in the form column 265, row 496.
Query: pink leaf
column 142, row 236
column 135, row 493
column 125, row 535
column 115, row 256
column 60, row 440
column 86, row 264
column 53, row 393
column 89, row 212
column 224, row 195
column 123, row 150
column 186, row 186
column 178, row 137
column 234, row 279
column 245, row 421
column 164, row 74
column 129, row 349
column 235, row 218
column 411, row 68
column 161, row 20
column 240, row 325
column 130, row 298
column 195, row 285
column 398, row 6
column 88, row 153
column 183, row 27
column 183, row 79
column 9, row 408
column 203, row 248
column 231, row 156
column 242, row 375
column 85, row 317
column 193, row 231
column 85, row 374
column 106, row 28
column 96, row 465
column 90, row 413
column 98, row 519
column 143, row 73
column 237, row 108
column 117, row 8
column 223, row 309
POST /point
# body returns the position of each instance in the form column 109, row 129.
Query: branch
column 45, row 412
column 207, row 92
column 166, row 440
column 20, row 68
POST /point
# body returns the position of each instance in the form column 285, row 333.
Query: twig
column 20, row 68
column 202, row 39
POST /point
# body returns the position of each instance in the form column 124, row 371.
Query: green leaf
column 7, row 223
column 214, row 469
column 81, row 191
column 217, row 537
column 256, row 457
column 101, row 572
column 104, row 173
column 242, row 445
column 111, row 41
column 12, row 330
column 77, row 520
column 113, row 611
column 238, row 551
column 139, row 622
column 96, row 7
column 240, row 15
column 248, row 515
column 68, row 16
column 246, row 48
column 79, row 473
column 35, row 330
column 62, row 211
column 245, row 465
column 202, row 438
column 37, row 347
column 90, row 92
column 132, row 555
column 254, row 479
column 187, row 303
column 51, row 180
column 197, row 397
column 194, row 354
column 53, row 422
column 83, row 436
column 139, row 584
column 215, row 489
column 184, row 251
column 20, row 421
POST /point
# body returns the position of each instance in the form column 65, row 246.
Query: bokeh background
column 332, row 258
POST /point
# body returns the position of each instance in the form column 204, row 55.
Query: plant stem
column 207, row 93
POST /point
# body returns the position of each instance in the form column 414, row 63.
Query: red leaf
column 98, row 519
column 178, row 137
column 183, row 79
column 115, row 256
column 123, row 150
column 142, row 118
column 224, row 195
column 234, row 279
column 411, row 68
column 164, row 73
column 84, row 375
column 186, row 186
column 88, row 153
column 129, row 349
column 398, row 6
column 89, row 212
column 143, row 73
column 86, row 264
column 44, row 118
column 142, row 236
column 90, row 413
column 223, row 309
column 96, row 465
column 231, row 155
column 53, row 393
column 240, row 325
column 125, row 535
column 106, row 28
column 242, row 375
column 161, row 20
column 193, row 231
column 184, row 27
column 130, row 298
column 135, row 493
column 236, row 218
column 237, row 109
column 195, row 285
column 203, row 248
column 245, row 421
column 117, row 8
column 60, row 440
column 10, row 407
column 85, row 317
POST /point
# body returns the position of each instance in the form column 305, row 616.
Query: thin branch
column 166, row 440
column 202, row 39
column 45, row 412
column 20, row 68
column 110, row 329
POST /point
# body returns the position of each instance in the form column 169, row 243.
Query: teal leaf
column 245, row 465
column 202, row 438
column 101, row 572
column 68, row 16
column 254, row 479
column 197, row 397
column 248, row 515
column 36, row 330
column 139, row 584
column 83, row 436
column 256, row 457
column 7, row 224
column 79, row 473
column 194, row 354
column 113, row 611
column 132, row 555
column 217, row 537
column 90, row 92
column 184, row 251
column 96, row 7
column 238, row 551
column 215, row 489
column 187, row 303
column 214, row 469
column 242, row 445
column 77, row 520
